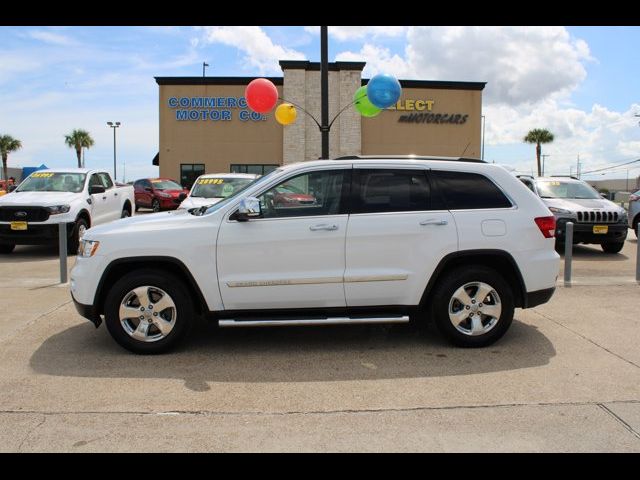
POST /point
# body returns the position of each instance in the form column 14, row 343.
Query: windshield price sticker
column 211, row 181
column 42, row 175
column 227, row 190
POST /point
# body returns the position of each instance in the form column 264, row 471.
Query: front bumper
column 35, row 234
column 583, row 232
column 88, row 311
column 169, row 203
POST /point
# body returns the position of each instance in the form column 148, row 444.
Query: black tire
column 612, row 247
column 73, row 242
column 560, row 246
column 125, row 213
column 137, row 207
column 635, row 225
column 443, row 295
column 173, row 286
column 155, row 206
column 6, row 248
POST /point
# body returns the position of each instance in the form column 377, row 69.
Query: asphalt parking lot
column 566, row 377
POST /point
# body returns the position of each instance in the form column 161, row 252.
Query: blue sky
column 580, row 82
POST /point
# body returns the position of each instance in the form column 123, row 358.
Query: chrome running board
column 317, row 321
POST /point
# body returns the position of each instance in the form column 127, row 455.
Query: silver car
column 595, row 219
column 634, row 211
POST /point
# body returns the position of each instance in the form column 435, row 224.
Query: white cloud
column 344, row 33
column 260, row 51
column 51, row 38
column 519, row 64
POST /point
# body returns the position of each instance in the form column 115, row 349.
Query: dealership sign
column 213, row 109
column 425, row 107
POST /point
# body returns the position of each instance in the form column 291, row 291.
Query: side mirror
column 182, row 196
column 249, row 208
column 603, row 195
column 94, row 189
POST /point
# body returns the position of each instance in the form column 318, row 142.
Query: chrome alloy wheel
column 147, row 313
column 475, row 308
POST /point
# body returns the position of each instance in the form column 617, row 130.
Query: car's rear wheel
column 612, row 247
column 155, row 206
column 125, row 213
column 472, row 306
column 148, row 311
column 635, row 225
column 6, row 248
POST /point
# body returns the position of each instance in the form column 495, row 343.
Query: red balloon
column 261, row 95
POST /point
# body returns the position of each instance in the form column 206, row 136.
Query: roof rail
column 410, row 157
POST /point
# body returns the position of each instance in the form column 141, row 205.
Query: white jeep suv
column 362, row 240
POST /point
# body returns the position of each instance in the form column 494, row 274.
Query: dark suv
column 595, row 219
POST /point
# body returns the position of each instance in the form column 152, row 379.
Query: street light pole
column 203, row 67
column 324, row 91
column 114, row 125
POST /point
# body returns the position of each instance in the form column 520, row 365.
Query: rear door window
column 468, row 191
column 379, row 190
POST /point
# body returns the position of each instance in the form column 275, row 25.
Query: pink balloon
column 261, row 95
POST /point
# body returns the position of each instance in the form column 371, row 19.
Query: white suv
column 360, row 240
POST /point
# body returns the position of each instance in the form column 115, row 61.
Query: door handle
column 115, row 194
column 104, row 198
column 323, row 226
column 431, row 221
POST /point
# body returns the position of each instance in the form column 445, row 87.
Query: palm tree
column 79, row 139
column 7, row 144
column 538, row 136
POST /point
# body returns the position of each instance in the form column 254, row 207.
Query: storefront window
column 189, row 172
column 252, row 168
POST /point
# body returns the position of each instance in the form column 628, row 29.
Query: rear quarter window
column 468, row 191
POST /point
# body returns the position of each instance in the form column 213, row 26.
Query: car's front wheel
column 148, row 311
column 473, row 306
column 612, row 247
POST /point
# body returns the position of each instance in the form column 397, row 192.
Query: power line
column 613, row 166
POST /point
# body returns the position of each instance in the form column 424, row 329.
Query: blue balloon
column 383, row 90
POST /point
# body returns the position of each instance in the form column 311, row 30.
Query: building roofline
column 315, row 66
column 212, row 80
column 438, row 84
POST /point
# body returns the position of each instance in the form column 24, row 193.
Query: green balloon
column 363, row 105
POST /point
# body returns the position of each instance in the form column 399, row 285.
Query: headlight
column 88, row 248
column 164, row 195
column 560, row 210
column 56, row 209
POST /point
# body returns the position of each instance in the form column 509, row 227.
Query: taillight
column 547, row 226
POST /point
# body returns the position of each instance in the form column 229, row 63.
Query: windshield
column 560, row 189
column 218, row 187
column 166, row 185
column 53, row 182
column 226, row 201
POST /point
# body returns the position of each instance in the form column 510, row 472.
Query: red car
column 158, row 193
column 291, row 196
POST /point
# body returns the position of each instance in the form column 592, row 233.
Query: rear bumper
column 533, row 299
column 35, row 234
column 583, row 232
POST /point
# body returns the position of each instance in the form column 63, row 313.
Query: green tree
column 79, row 139
column 539, row 136
column 8, row 144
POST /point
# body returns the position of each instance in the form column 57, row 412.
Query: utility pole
column 544, row 156
column 324, row 91
column 578, row 167
column 114, row 125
